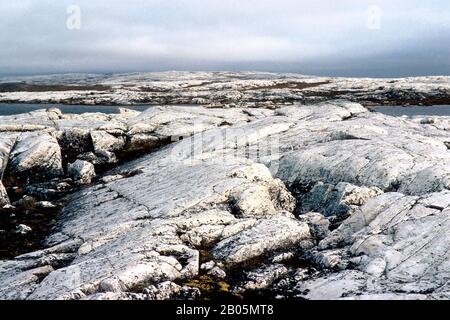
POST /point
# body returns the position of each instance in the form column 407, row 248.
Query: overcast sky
column 324, row 37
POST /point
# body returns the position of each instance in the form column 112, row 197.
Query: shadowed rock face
column 4, row 199
column 324, row 201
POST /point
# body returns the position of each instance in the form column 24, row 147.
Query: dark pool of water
column 442, row 110
column 17, row 108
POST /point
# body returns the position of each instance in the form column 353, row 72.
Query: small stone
column 63, row 186
column 283, row 257
column 376, row 267
column 263, row 277
column 427, row 120
column 45, row 205
column 327, row 259
column 217, row 273
column 22, row 229
column 318, row 224
column 189, row 293
column 208, row 265
column 162, row 291
column 27, row 202
column 108, row 179
column 105, row 157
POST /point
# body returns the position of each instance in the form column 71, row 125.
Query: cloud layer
column 372, row 38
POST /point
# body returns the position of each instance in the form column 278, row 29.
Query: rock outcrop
column 321, row 201
column 36, row 156
column 219, row 89
column 398, row 244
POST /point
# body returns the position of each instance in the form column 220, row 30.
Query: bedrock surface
column 326, row 200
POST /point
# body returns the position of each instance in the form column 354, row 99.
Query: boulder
column 318, row 224
column 81, row 171
column 36, row 156
column 22, row 229
column 103, row 141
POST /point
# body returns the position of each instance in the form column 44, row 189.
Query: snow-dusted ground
column 229, row 88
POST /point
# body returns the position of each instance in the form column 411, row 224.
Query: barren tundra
column 269, row 185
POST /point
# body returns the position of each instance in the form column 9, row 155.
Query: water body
column 398, row 111
column 17, row 108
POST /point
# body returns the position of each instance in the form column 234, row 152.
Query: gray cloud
column 317, row 37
